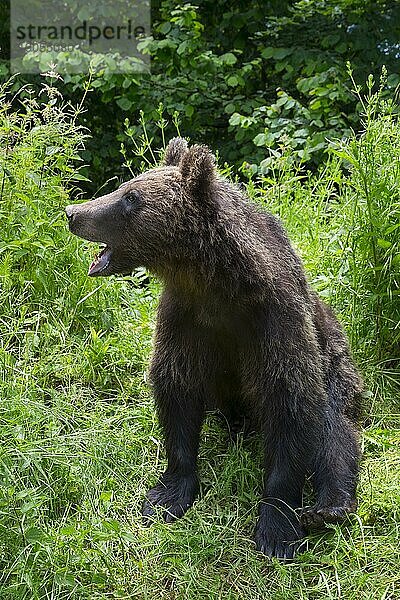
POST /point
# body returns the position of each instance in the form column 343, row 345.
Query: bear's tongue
column 100, row 262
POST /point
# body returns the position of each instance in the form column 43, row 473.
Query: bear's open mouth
column 100, row 262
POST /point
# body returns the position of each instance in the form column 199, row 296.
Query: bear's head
column 155, row 220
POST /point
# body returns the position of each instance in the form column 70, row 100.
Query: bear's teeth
column 100, row 262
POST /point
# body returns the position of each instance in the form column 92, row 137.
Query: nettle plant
column 345, row 219
column 40, row 143
column 42, row 279
column 370, row 219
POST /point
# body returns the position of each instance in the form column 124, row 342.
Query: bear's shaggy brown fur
column 238, row 329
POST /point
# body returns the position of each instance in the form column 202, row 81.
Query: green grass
column 80, row 443
column 77, row 468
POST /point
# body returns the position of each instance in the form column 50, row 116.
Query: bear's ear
column 175, row 151
column 198, row 171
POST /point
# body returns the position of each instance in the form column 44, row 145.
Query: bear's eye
column 133, row 196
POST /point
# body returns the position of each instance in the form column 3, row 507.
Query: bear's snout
column 81, row 222
column 69, row 211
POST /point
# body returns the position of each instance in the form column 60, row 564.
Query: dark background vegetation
column 248, row 78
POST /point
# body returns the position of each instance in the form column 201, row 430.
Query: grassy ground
column 77, row 460
column 79, row 439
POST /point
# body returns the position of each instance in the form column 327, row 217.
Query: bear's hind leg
column 291, row 434
column 335, row 473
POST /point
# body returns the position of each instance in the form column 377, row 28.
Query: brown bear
column 238, row 330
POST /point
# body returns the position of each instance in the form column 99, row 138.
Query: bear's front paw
column 316, row 517
column 278, row 533
column 176, row 493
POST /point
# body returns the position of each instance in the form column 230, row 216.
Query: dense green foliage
column 79, row 438
column 250, row 80
column 45, row 302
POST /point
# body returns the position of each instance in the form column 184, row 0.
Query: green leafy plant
column 371, row 219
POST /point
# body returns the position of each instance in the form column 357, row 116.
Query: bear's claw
column 175, row 494
column 278, row 534
column 317, row 517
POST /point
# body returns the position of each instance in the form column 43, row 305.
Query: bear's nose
column 69, row 211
